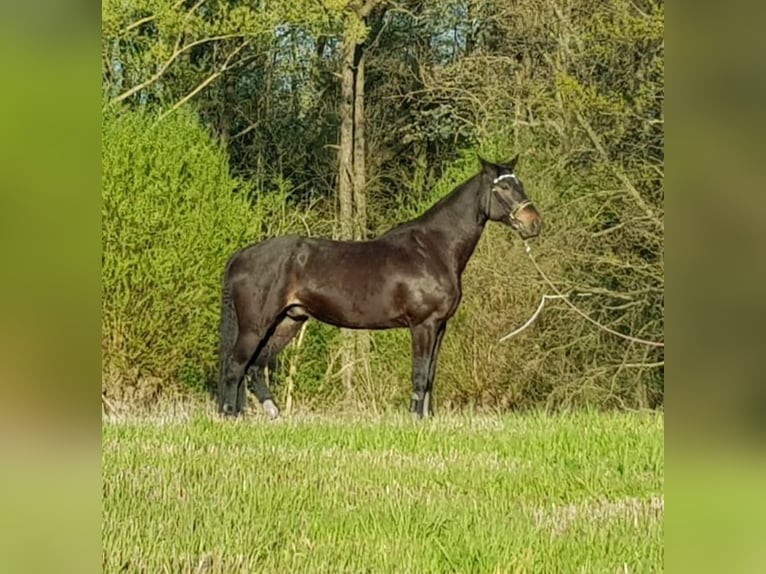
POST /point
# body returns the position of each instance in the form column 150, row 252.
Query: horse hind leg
column 284, row 331
column 247, row 325
column 233, row 399
column 228, row 395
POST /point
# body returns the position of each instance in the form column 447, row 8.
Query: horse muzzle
column 526, row 221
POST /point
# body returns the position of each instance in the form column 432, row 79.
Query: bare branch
column 617, row 171
column 206, row 82
column 643, row 365
column 151, row 17
column 164, row 67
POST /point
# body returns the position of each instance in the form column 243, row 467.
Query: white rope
column 532, row 318
column 560, row 295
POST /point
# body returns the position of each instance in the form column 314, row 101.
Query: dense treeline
column 224, row 124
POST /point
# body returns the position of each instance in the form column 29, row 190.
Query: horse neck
column 460, row 218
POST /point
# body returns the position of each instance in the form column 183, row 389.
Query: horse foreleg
column 428, row 403
column 423, row 339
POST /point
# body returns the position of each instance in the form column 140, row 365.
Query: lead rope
column 565, row 298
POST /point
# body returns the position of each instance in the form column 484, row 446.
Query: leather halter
column 512, row 210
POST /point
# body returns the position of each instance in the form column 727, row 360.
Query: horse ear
column 488, row 167
column 511, row 165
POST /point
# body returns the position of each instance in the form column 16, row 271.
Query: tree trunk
column 346, row 152
column 360, row 200
column 346, row 193
column 352, row 179
column 362, row 338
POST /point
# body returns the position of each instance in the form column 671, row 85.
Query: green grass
column 527, row 493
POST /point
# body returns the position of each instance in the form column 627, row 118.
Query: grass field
column 524, row 493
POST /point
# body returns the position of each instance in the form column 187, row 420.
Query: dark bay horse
column 409, row 277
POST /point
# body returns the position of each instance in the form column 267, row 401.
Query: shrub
column 171, row 215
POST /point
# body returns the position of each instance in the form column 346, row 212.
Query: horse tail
column 229, row 331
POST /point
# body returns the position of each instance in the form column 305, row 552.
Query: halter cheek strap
column 521, row 205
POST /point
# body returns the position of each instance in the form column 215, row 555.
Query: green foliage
column 170, row 219
column 530, row 493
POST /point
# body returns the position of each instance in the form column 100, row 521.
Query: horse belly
column 358, row 304
column 375, row 304
column 351, row 312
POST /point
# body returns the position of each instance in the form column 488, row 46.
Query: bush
column 171, row 215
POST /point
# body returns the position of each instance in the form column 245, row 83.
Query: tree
column 351, row 164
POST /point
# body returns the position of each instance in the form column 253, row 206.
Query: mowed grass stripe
column 531, row 493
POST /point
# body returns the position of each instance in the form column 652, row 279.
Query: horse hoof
column 270, row 409
column 228, row 411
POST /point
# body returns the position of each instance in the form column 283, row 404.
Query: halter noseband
column 512, row 211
